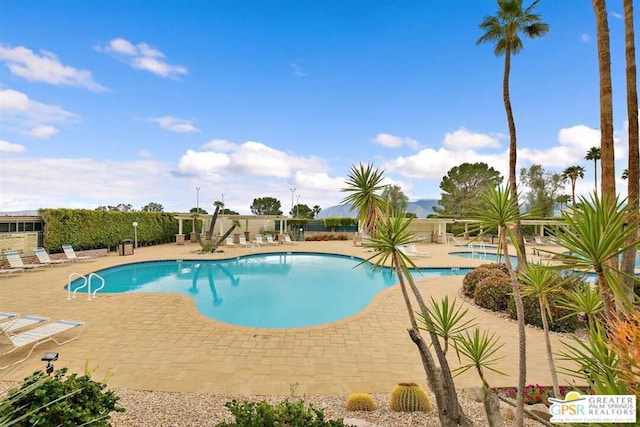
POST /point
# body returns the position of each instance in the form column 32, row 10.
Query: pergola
column 251, row 223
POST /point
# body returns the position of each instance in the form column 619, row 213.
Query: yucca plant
column 446, row 320
column 583, row 299
column 539, row 282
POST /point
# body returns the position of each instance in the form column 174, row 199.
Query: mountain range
column 422, row 208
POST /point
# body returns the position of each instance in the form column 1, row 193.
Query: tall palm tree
column 503, row 31
column 607, row 165
column 365, row 184
column 500, row 210
column 391, row 233
column 573, row 173
column 594, row 154
column 633, row 184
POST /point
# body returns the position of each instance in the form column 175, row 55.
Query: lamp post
column 223, row 200
column 298, row 206
column 197, row 199
column 135, row 234
column 293, row 190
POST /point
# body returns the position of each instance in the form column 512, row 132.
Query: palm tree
column 573, row 173
column 391, row 233
column 364, row 184
column 625, row 174
column 632, row 172
column 500, row 210
column 503, row 31
column 594, row 154
column 607, row 165
column 316, row 210
column 563, row 200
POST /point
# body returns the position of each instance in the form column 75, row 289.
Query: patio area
column 161, row 342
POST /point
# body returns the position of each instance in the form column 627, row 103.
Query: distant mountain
column 422, row 208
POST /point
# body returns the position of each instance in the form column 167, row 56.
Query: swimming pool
column 277, row 290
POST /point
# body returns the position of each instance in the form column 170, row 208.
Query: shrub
column 534, row 394
column 59, row 400
column 410, row 397
column 472, row 278
column 493, row 293
column 557, row 321
column 496, row 266
column 263, row 414
column 360, row 402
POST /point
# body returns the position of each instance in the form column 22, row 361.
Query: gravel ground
column 144, row 408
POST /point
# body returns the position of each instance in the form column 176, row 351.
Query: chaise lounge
column 36, row 336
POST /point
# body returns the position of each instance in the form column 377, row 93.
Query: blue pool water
column 279, row 290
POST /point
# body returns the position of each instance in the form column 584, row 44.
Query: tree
column 461, row 186
column 316, row 211
column 266, row 206
column 633, row 169
column 364, row 184
column 607, row 164
column 153, row 207
column 563, row 200
column 395, row 199
column 572, row 173
column 500, row 210
column 391, row 233
column 503, row 31
column 198, row 211
column 594, row 154
column 543, row 189
column 301, row 211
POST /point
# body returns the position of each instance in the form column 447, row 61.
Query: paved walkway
column 161, row 342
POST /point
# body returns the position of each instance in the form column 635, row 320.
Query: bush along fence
column 92, row 229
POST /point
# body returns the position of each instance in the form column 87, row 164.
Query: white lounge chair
column 5, row 315
column 36, row 336
column 415, row 252
column 71, row 254
column 229, row 242
column 8, row 272
column 258, row 240
column 15, row 261
column 243, row 242
column 270, row 240
column 539, row 241
column 44, row 258
column 17, row 323
column 287, row 240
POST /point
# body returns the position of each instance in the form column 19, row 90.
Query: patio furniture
column 16, row 323
column 15, row 261
column 71, row 254
column 44, row 258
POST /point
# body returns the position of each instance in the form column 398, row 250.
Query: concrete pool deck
column 161, row 342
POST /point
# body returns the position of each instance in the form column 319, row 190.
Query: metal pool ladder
column 86, row 284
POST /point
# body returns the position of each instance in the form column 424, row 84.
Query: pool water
column 279, row 290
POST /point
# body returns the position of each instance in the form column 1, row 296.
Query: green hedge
column 93, row 229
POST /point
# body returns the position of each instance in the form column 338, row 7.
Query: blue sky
column 107, row 102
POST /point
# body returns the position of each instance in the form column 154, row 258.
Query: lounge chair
column 539, row 241
column 258, row 240
column 412, row 250
column 229, row 242
column 71, row 254
column 44, row 258
column 36, row 336
column 270, row 240
column 8, row 272
column 243, row 242
column 15, row 261
column 287, row 240
column 16, row 323
column 5, row 315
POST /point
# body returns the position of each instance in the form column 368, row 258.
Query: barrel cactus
column 410, row 397
column 360, row 402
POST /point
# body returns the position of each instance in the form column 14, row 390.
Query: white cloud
column 7, row 147
column 574, row 142
column 175, row 124
column 585, row 37
column 142, row 57
column 392, row 141
column 46, row 67
column 203, row 162
column 145, row 154
column 297, row 69
column 25, row 115
column 617, row 15
column 42, row 132
column 220, row 145
column 462, row 139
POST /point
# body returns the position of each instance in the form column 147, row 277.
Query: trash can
column 125, row 247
